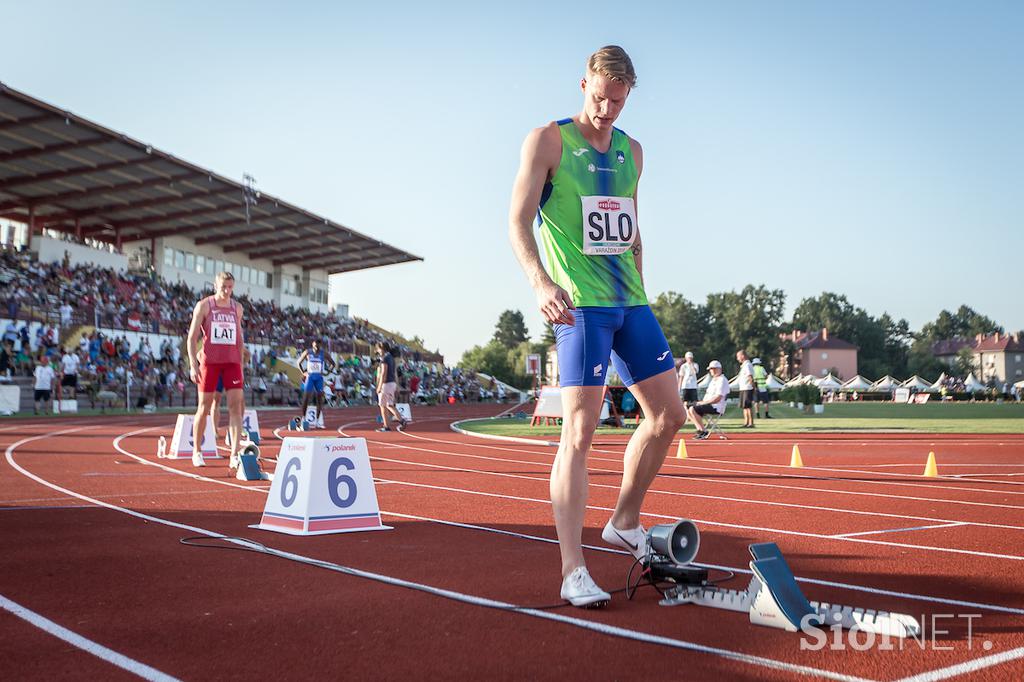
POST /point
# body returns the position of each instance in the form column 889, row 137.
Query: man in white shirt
column 714, row 400
column 44, row 384
column 746, row 389
column 688, row 380
column 69, row 363
column 65, row 314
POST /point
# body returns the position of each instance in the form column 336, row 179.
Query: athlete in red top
column 219, row 318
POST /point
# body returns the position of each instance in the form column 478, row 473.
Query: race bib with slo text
column 609, row 225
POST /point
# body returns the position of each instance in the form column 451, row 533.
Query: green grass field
column 852, row 417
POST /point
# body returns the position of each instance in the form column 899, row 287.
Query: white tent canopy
column 937, row 386
column 918, row 383
column 857, row 383
column 973, row 385
column 1019, row 384
column 886, row 383
column 704, row 381
column 734, row 383
column 774, row 383
column 798, row 380
column 829, row 383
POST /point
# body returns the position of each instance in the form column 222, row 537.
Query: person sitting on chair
column 714, row 400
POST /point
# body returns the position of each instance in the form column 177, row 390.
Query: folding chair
column 712, row 427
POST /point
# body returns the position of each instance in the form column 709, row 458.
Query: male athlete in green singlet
column 578, row 178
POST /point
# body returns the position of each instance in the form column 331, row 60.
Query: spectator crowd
column 61, row 295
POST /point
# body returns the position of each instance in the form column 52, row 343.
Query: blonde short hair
column 222, row 276
column 611, row 61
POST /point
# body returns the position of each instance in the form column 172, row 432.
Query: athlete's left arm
column 638, row 245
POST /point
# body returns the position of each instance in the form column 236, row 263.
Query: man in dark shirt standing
column 386, row 386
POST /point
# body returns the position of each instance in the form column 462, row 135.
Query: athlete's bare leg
column 648, row 446
column 215, row 415
column 582, row 407
column 203, row 410
column 236, row 409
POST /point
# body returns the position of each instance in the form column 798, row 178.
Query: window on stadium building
column 179, row 259
column 168, row 256
column 200, row 264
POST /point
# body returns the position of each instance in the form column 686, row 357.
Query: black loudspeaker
column 678, row 541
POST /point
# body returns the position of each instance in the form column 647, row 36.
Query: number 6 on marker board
column 324, row 485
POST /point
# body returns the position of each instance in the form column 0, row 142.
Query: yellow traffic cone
column 930, row 470
column 681, row 452
column 795, row 460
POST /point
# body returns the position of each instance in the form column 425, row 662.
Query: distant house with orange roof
column 818, row 353
column 999, row 357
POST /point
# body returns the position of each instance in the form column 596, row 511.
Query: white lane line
column 967, row 666
column 813, row 581
column 760, row 529
column 660, row 491
column 735, row 569
column 514, row 439
column 670, row 464
column 450, row 594
column 898, row 530
column 930, row 486
column 73, row 638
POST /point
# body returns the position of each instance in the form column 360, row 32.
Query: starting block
column 774, row 599
column 249, row 465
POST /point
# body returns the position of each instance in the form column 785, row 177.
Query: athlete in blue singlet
column 316, row 362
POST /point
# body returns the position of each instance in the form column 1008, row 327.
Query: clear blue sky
column 869, row 148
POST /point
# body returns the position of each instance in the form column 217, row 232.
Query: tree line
column 753, row 319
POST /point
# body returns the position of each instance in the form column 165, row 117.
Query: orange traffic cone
column 795, row 461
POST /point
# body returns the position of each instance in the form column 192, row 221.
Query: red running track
column 473, row 530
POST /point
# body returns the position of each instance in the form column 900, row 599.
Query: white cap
column 757, row 361
column 689, row 354
column 714, row 364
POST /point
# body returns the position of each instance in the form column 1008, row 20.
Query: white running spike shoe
column 579, row 589
column 634, row 540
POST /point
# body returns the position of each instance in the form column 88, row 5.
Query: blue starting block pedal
column 774, row 599
column 249, row 465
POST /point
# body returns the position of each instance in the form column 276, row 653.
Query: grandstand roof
column 77, row 176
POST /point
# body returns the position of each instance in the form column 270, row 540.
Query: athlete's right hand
column 555, row 304
column 193, row 375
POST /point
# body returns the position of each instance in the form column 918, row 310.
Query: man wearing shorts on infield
column 761, row 381
column 746, row 379
column 578, row 178
column 714, row 400
column 387, row 384
column 313, row 384
column 69, row 363
column 44, row 379
column 219, row 319
column 688, row 380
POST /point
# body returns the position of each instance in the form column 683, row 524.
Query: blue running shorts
column 314, row 384
column 631, row 337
